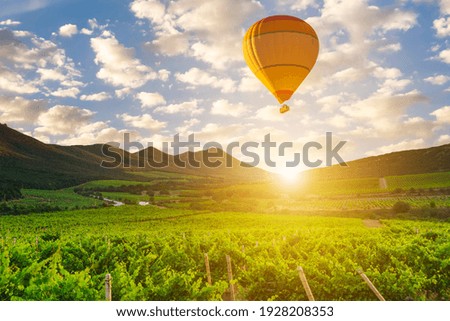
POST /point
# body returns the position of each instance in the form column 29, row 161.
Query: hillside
column 34, row 164
column 418, row 161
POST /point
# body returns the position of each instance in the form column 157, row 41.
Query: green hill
column 418, row 161
column 34, row 164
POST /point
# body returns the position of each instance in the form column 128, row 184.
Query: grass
column 64, row 199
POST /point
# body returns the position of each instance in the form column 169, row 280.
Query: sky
column 88, row 71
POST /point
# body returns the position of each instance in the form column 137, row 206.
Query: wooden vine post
column 371, row 286
column 208, row 270
column 108, row 279
column 305, row 284
column 230, row 278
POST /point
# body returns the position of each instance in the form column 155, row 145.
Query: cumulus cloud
column 31, row 64
column 101, row 96
column 216, row 40
column 150, row 99
column 442, row 26
column 95, row 133
column 20, row 110
column 62, row 119
column 68, row 30
column 443, row 139
column 442, row 115
column 9, row 22
column 225, row 108
column 269, row 113
column 438, row 79
column 66, row 92
column 187, row 107
column 402, row 145
column 195, row 77
column 118, row 65
column 220, row 132
column 12, row 82
column 445, row 6
column 393, row 47
column 187, row 126
column 299, row 5
column 444, row 56
column 145, row 121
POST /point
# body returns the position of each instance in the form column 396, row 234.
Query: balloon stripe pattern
column 281, row 51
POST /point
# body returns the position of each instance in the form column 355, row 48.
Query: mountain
column 211, row 162
column 32, row 163
column 418, row 161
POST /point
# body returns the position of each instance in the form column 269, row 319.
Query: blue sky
column 84, row 72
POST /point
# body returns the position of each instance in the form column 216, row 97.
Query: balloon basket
column 284, row 109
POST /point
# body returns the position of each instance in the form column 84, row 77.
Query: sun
column 289, row 175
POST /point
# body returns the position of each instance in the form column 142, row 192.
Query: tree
column 401, row 207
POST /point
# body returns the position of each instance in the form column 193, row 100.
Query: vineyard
column 158, row 254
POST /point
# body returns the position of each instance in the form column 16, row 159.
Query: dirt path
column 372, row 223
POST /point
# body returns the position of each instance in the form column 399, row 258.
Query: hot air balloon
column 281, row 51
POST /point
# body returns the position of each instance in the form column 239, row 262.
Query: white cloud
column 332, row 102
column 220, row 133
column 163, row 74
column 68, row 30
column 338, row 121
column 187, row 126
column 170, row 44
column 14, row 83
column 196, row 77
column 145, row 121
column 249, row 82
column 150, row 99
column 152, row 10
column 443, row 139
column 30, row 64
column 225, row 108
column 188, row 107
column 445, row 7
column 391, row 86
column 442, row 26
column 119, row 67
column 216, row 40
column 444, row 55
column 20, row 110
column 383, row 106
column 9, row 22
column 299, row 5
column 393, row 47
column 403, row 145
column 95, row 133
column 387, row 73
column 51, row 74
column 62, row 120
column 442, row 115
column 437, row 80
column 66, row 92
column 101, row 96
column 269, row 113
column 122, row 93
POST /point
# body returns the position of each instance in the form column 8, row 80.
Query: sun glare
column 289, row 175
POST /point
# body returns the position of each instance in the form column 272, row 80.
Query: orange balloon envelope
column 281, row 51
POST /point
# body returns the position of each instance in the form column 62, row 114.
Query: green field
column 157, row 254
column 66, row 244
column 35, row 200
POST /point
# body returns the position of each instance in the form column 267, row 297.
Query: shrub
column 401, row 207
